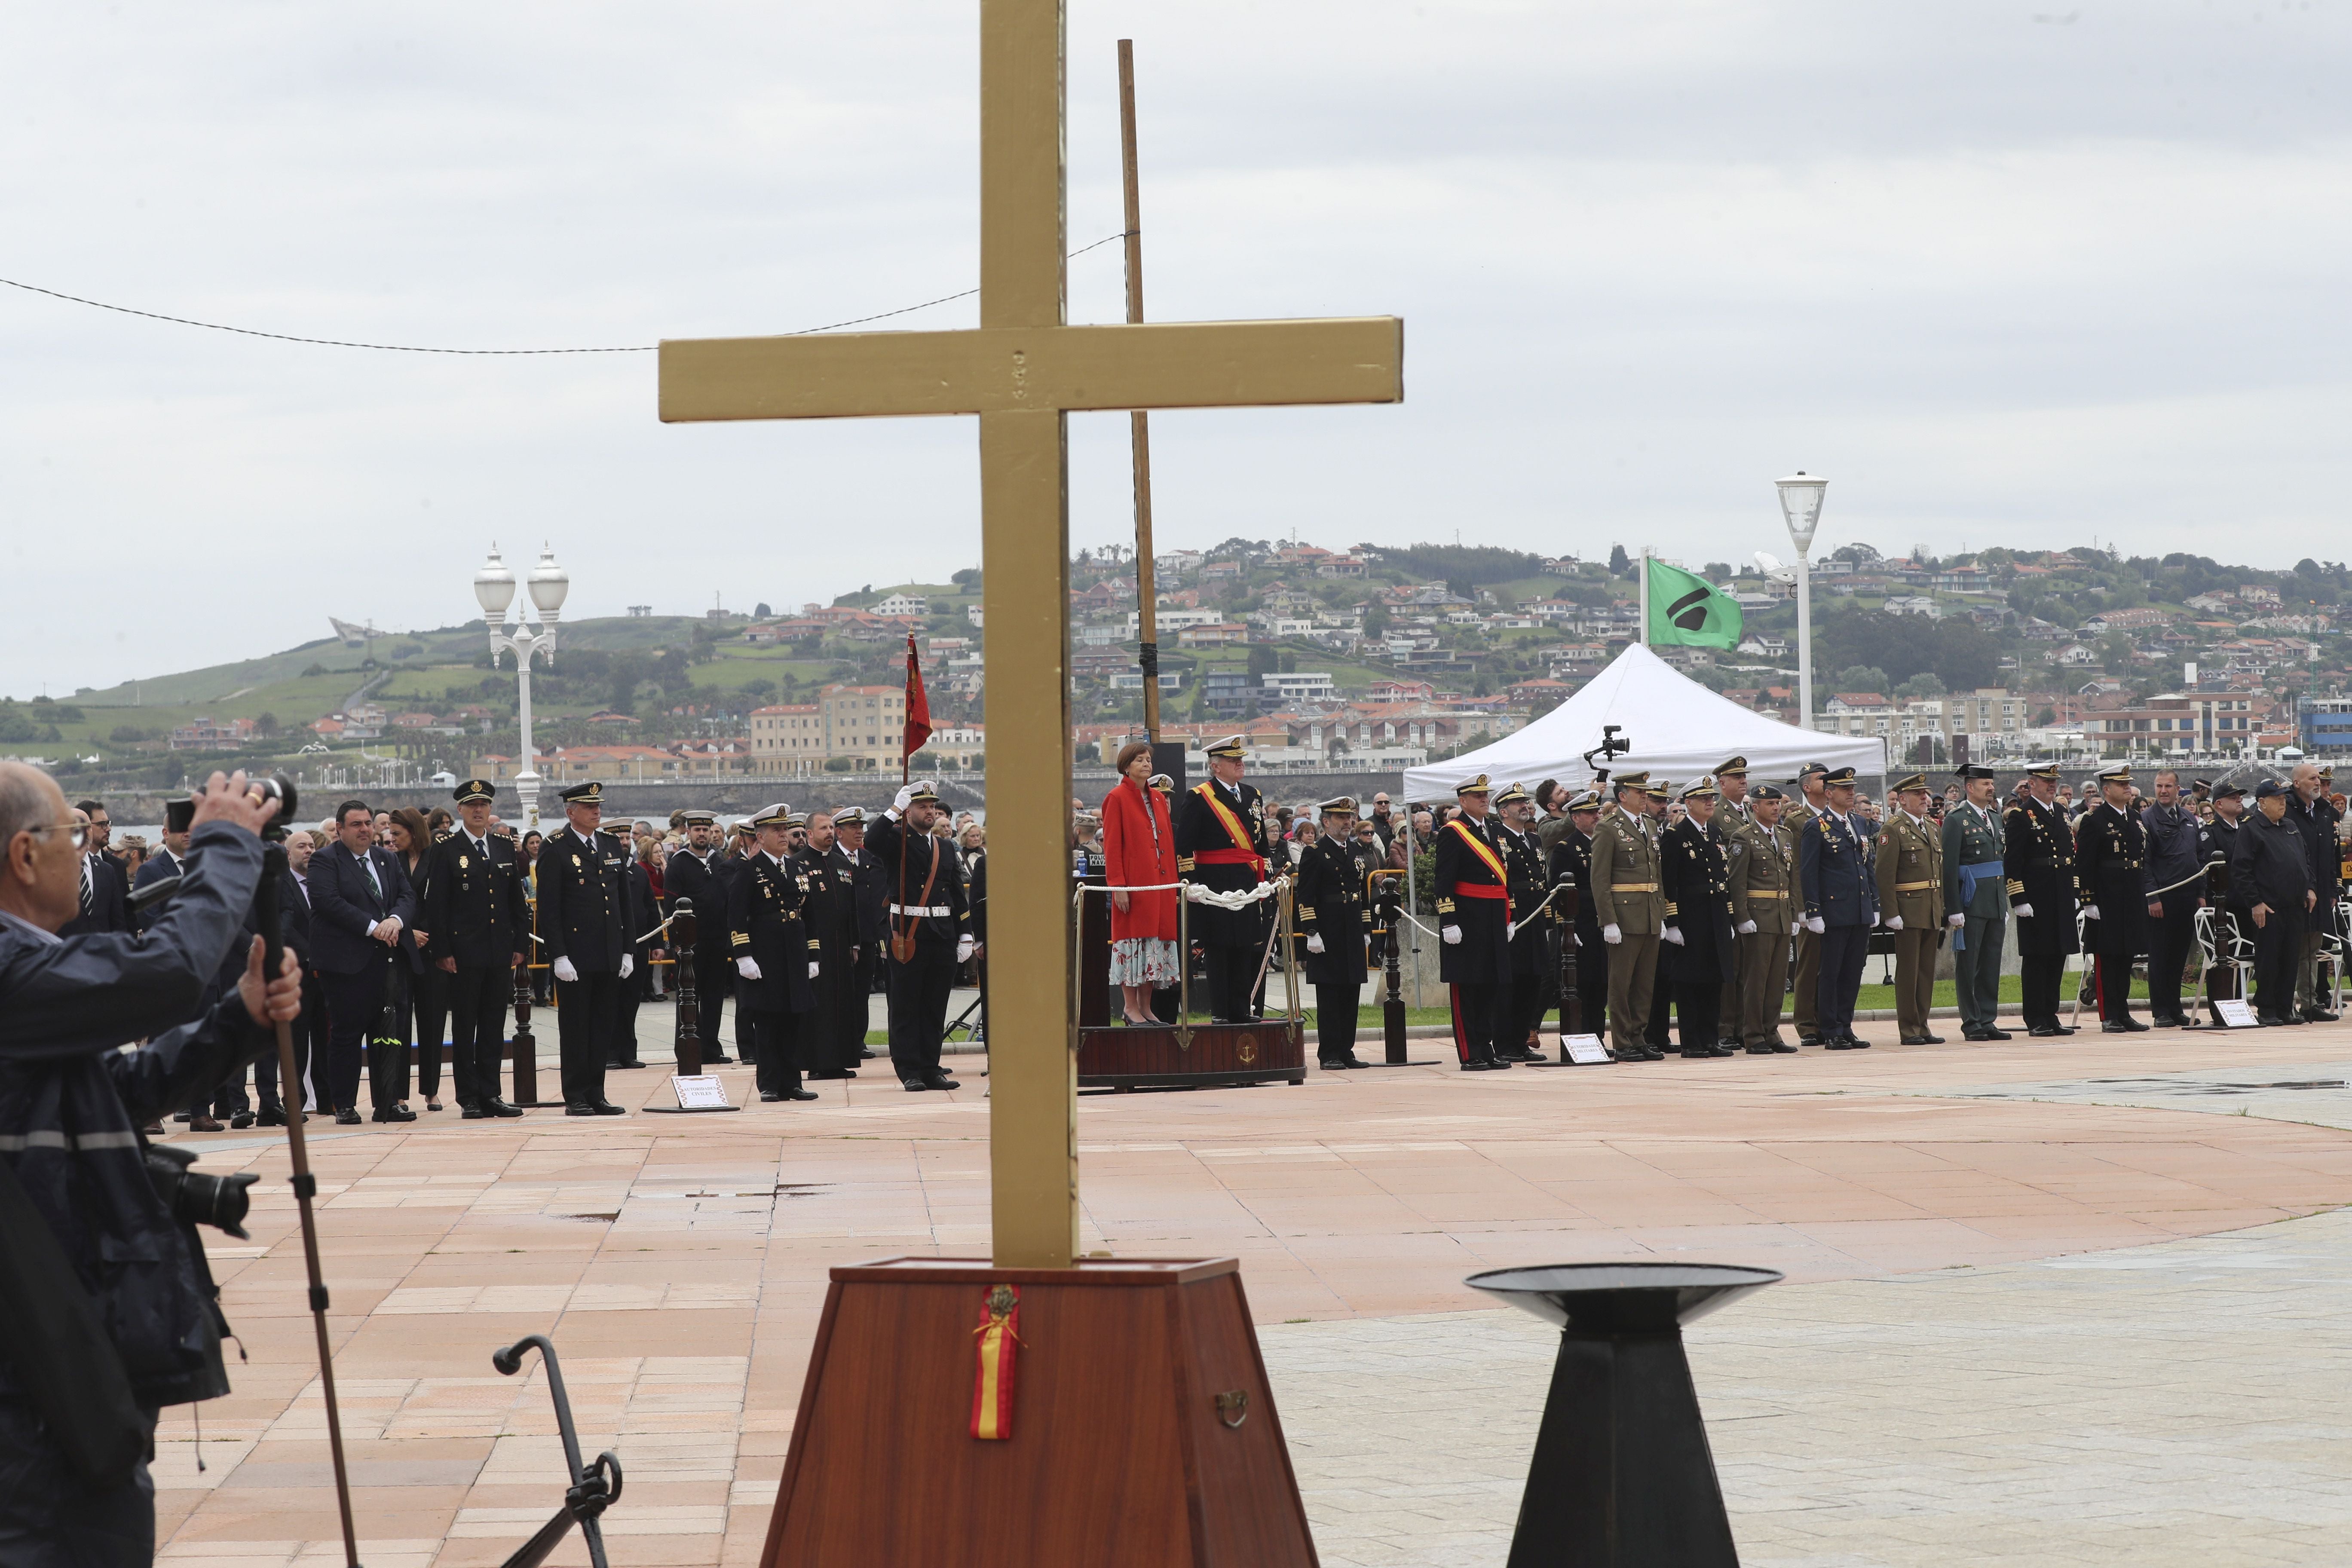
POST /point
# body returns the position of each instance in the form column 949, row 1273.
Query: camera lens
column 218, row 1201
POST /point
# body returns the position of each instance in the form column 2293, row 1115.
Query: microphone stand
column 306, row 1186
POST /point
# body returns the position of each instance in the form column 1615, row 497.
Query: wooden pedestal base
column 1206, row 1055
column 1122, row 1449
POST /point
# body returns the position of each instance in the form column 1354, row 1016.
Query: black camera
column 279, row 788
column 194, row 1199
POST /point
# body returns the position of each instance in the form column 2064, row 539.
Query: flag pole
column 1645, row 595
column 1138, row 424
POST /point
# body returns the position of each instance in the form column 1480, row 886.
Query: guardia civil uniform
column 1973, row 878
column 1631, row 911
column 1334, row 920
column 1763, row 910
column 2038, row 854
column 1910, row 862
column 2110, row 877
column 1474, row 914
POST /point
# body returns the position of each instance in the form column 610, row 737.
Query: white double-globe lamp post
column 1800, row 509
column 494, row 585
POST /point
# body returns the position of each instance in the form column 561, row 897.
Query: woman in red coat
column 1139, row 851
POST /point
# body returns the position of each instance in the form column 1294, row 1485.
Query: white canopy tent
column 1679, row 730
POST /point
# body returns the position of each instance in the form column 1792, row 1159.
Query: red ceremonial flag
column 919, row 711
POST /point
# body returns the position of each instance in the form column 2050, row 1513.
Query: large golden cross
column 1022, row 371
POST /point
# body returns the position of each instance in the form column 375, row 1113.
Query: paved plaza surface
column 2077, row 1301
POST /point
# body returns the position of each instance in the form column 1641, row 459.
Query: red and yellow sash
column 1486, row 852
column 991, row 1387
column 1244, row 848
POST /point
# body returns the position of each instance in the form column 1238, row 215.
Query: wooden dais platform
column 1143, row 1432
column 1133, row 1056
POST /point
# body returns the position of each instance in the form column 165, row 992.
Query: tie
column 89, row 896
column 367, row 864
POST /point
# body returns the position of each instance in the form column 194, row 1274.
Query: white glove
column 748, row 968
column 1747, row 928
column 565, row 973
column 1315, row 942
column 903, row 799
column 628, row 963
column 1672, row 934
column 1895, row 923
column 812, row 968
column 1874, row 920
column 966, row 946
column 1453, row 935
column 2023, row 912
column 1956, row 922
column 1612, row 935
column 1815, row 924
column 2091, row 911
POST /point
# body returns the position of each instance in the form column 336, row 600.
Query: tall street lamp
column 494, row 585
column 1800, row 509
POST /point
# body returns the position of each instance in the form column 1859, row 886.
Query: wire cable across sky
column 414, row 349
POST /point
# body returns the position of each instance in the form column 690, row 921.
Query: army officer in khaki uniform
column 1911, row 902
column 1631, row 911
column 1763, row 905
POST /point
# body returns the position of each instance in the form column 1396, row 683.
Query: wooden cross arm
column 1177, row 364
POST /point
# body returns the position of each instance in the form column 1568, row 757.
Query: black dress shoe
column 2045, row 1031
column 1327, row 1065
column 1355, row 1062
column 1855, row 1043
column 1692, row 1053
column 241, row 1120
column 1837, row 1043
column 578, row 1111
column 471, row 1113
column 1783, row 1047
column 914, row 1085
column 1616, row 1056
column 1499, row 1065
column 497, row 1107
column 349, row 1116
column 867, row 1056
column 717, row 1059
column 1760, row 1050
column 273, row 1118
column 797, row 1094
column 1931, row 1039
column 606, row 1108
column 1916, row 1040
column 940, row 1081
column 2128, row 1024
column 1810, row 1040
column 1480, row 1066
column 2319, row 1016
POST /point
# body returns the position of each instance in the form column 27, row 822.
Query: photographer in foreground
column 107, row 1310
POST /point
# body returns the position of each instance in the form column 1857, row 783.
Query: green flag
column 1686, row 608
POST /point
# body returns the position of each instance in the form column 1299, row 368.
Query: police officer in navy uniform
column 777, row 961
column 1474, row 914
column 1696, row 951
column 1223, row 844
column 2110, row 873
column 927, row 905
column 1532, row 949
column 2270, row 879
column 477, row 926
column 693, row 874
column 1841, row 892
column 583, row 910
column 2038, row 853
column 1336, row 918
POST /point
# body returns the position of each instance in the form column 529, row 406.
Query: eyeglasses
column 81, row 834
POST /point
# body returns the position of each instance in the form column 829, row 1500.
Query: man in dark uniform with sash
column 1222, row 843
column 1841, row 895
column 1697, row 955
column 583, row 909
column 827, row 1048
column 477, row 927
column 777, row 962
column 2110, row 870
column 1532, row 949
column 2038, row 850
column 1975, row 911
column 693, row 873
column 1474, row 914
column 926, row 910
column 1335, row 917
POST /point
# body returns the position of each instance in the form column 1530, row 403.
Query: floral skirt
column 1143, row 961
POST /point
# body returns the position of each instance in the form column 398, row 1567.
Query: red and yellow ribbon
column 991, row 1387
column 1486, row 852
column 1243, row 842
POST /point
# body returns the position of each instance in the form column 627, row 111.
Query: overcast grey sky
column 2007, row 275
